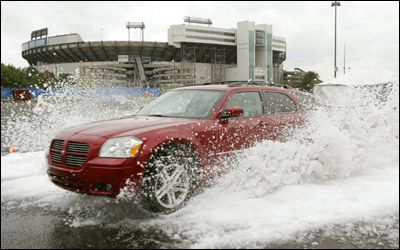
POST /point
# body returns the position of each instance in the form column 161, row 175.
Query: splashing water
column 31, row 125
column 341, row 167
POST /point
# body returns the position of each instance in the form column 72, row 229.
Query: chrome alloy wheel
column 172, row 185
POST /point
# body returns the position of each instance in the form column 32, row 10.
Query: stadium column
column 245, row 43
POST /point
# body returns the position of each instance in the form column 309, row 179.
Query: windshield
column 183, row 103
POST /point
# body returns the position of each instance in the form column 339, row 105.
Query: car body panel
column 209, row 137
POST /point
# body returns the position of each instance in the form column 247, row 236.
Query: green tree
column 13, row 77
column 44, row 79
column 309, row 80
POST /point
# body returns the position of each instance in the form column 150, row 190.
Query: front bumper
column 96, row 176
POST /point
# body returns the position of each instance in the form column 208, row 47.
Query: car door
column 281, row 114
column 237, row 133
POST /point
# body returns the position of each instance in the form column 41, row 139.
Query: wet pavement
column 37, row 227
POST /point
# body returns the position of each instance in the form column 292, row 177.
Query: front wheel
column 170, row 178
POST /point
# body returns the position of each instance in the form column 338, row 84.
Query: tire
column 170, row 178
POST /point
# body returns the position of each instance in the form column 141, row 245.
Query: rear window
column 276, row 103
column 306, row 101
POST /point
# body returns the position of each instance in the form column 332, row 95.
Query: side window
column 307, row 101
column 249, row 101
column 278, row 103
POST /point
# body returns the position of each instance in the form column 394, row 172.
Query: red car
column 167, row 146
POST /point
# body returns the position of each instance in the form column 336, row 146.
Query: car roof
column 297, row 91
column 225, row 87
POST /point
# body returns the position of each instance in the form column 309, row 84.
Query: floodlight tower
column 135, row 25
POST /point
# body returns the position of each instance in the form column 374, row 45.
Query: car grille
column 76, row 161
column 77, row 147
column 57, row 145
column 56, row 157
column 76, row 153
column 55, row 151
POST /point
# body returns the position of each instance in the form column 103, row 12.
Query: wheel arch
column 193, row 144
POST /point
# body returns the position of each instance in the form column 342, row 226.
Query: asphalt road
column 38, row 227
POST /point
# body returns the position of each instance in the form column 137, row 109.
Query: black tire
column 170, row 178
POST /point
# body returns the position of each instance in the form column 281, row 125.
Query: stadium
column 195, row 52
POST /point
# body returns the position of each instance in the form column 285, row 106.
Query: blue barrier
column 36, row 91
column 129, row 91
column 6, row 93
column 105, row 91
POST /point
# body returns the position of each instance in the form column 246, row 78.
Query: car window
column 250, row 102
column 276, row 103
column 307, row 101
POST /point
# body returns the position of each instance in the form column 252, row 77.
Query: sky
column 369, row 29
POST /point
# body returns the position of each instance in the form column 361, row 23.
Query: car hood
column 111, row 128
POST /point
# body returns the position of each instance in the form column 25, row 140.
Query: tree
column 309, row 80
column 42, row 80
column 13, row 77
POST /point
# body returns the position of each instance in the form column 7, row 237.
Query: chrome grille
column 76, row 161
column 55, row 151
column 77, row 147
column 75, row 156
column 56, row 157
column 57, row 145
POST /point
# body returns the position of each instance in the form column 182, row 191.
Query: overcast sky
column 369, row 29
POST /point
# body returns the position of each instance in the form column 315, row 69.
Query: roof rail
column 220, row 82
column 280, row 85
column 242, row 82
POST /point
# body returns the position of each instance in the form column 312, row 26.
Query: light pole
column 335, row 4
column 174, row 71
column 55, row 61
column 344, row 59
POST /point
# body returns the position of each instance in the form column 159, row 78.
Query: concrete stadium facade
column 193, row 54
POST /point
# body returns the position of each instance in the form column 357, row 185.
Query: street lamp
column 55, row 61
column 335, row 4
column 344, row 59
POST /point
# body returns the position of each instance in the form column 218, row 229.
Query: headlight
column 121, row 147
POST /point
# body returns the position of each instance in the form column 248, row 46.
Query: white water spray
column 341, row 167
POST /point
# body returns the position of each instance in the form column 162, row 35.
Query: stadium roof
column 109, row 51
column 100, row 51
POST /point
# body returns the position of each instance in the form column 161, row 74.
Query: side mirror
column 235, row 111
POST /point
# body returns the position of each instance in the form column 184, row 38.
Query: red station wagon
column 166, row 148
